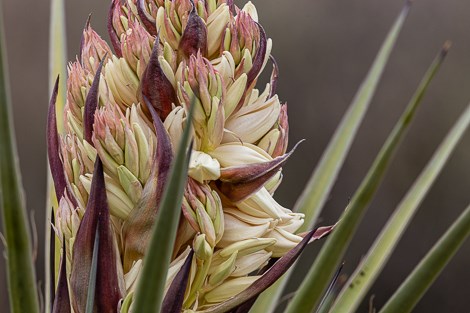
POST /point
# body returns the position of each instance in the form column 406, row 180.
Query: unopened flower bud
column 229, row 289
column 202, row 248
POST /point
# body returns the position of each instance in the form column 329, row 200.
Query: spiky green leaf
column 323, row 178
column 378, row 255
column 20, row 270
column 422, row 277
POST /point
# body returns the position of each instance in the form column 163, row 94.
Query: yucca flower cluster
column 126, row 109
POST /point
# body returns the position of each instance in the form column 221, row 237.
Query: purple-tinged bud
column 194, row 37
column 147, row 19
column 96, row 221
column 156, row 87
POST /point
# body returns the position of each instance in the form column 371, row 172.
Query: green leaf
column 416, row 285
column 320, row 184
column 371, row 266
column 57, row 66
column 20, row 269
column 309, row 294
column 90, row 301
column 149, row 294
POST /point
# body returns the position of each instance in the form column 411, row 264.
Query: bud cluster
column 171, row 55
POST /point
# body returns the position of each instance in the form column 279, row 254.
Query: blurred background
column 324, row 49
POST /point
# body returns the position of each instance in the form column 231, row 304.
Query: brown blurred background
column 324, row 49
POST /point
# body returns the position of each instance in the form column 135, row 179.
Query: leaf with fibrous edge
column 22, row 289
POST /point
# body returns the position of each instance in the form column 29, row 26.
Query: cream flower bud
column 202, row 248
column 203, row 210
column 252, row 122
column 68, row 219
column 247, row 246
column 285, row 241
column 249, row 263
column 216, row 24
column 202, row 167
column 122, row 81
column 275, row 141
column 223, row 270
column 250, row 9
column 131, row 277
column 229, row 288
column 174, row 125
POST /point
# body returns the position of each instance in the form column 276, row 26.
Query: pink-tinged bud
column 242, row 33
column 78, row 85
column 93, row 49
column 136, row 47
column 125, row 143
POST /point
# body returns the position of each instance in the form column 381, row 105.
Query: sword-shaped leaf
column 20, row 269
column 371, row 266
column 416, row 285
column 324, row 176
column 311, row 291
column 422, row 277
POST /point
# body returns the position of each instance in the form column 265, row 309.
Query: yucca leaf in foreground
column 20, row 271
column 318, row 188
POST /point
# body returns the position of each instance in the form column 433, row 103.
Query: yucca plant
column 164, row 163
